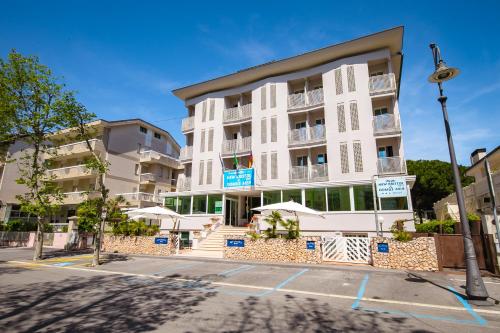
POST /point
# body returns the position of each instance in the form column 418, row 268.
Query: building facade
column 143, row 164
column 317, row 128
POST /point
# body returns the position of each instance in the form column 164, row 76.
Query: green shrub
column 48, row 228
column 292, row 227
column 134, row 228
column 64, row 228
column 273, row 221
column 253, row 235
column 473, row 217
column 435, row 226
column 399, row 233
column 20, row 225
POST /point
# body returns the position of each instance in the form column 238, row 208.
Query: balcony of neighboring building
column 70, row 172
column 305, row 94
column 141, row 199
column 238, row 109
column 152, row 157
column 309, row 165
column 77, row 197
column 385, row 120
column 156, row 176
column 381, row 81
column 183, row 183
column 390, row 160
column 186, row 154
column 74, row 149
column 307, row 129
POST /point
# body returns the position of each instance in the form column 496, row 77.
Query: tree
column 32, row 104
column 434, row 181
column 273, row 221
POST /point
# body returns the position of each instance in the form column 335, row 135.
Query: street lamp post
column 475, row 288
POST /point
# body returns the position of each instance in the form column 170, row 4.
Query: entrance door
column 230, row 217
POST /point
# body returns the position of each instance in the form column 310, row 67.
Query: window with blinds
column 263, row 98
column 358, row 159
column 202, row 143
column 209, row 172
column 210, row 140
column 354, row 116
column 274, row 129
column 344, row 158
column 263, row 130
column 204, row 111
column 263, row 166
column 274, row 165
column 273, row 96
column 341, row 117
column 201, row 172
column 338, row 81
column 212, row 110
column 351, row 83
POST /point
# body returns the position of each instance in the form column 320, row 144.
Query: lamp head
column 443, row 73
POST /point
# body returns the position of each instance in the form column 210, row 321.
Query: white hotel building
column 319, row 127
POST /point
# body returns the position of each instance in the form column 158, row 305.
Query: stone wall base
column 136, row 245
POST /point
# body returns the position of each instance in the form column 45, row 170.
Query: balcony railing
column 382, row 84
column 386, row 124
column 149, row 177
column 151, row 156
column 140, row 196
column 300, row 100
column 241, row 145
column 314, row 173
column 390, row 165
column 188, row 124
column 186, row 153
column 79, row 196
column 238, row 113
column 70, row 172
column 73, row 148
column 183, row 184
column 307, row 135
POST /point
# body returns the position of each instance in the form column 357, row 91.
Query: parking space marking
column 63, row 264
column 235, row 271
column 480, row 320
column 361, row 292
column 176, row 268
column 284, row 283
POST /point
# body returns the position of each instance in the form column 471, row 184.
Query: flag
column 235, row 161
column 250, row 160
column 222, row 163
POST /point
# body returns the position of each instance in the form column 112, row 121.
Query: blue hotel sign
column 161, row 240
column 383, row 247
column 310, row 245
column 239, row 178
column 235, row 243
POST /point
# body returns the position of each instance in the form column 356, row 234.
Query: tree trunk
column 38, row 240
column 97, row 244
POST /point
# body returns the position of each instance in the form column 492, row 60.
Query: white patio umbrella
column 156, row 212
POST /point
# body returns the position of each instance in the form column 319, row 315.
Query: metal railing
column 186, row 153
column 140, row 196
column 188, row 124
column 311, row 98
column 314, row 173
column 386, row 123
column 388, row 165
column 183, row 184
column 70, row 171
column 240, row 145
column 307, row 135
column 380, row 84
column 238, row 113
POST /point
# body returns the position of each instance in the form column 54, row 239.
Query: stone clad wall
column 418, row 254
column 277, row 249
column 136, row 245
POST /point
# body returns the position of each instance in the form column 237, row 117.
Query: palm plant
column 273, row 221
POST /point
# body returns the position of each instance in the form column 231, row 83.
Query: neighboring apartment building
column 314, row 128
column 143, row 163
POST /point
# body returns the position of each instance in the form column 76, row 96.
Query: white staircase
column 213, row 245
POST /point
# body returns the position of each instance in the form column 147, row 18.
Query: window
column 351, row 82
column 157, row 136
column 139, row 148
column 143, row 129
column 201, row 172
column 315, row 199
column 384, row 152
column 263, row 98
column 338, row 81
column 272, row 197
column 301, row 160
column 274, row 165
column 212, row 109
column 320, row 121
column 380, row 111
column 170, row 203
column 263, row 166
column 204, row 111
column 354, row 116
column 376, row 73
column 184, row 205
column 214, row 202
column 199, row 204
column 363, row 197
column 338, row 199
column 341, row 117
column 400, row 203
column 321, row 158
column 300, row 125
column 263, row 130
column 209, row 172
column 273, row 95
column 274, row 129
column 344, row 158
column 295, row 195
column 358, row 159
column 136, row 170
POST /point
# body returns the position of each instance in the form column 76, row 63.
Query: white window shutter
column 351, row 82
column 209, row 172
column 263, row 98
column 274, row 129
column 273, row 95
column 358, row 158
column 212, row 109
column 263, row 130
column 274, row 165
column 338, row 81
column 354, row 116
column 341, row 117
column 344, row 158
column 263, row 166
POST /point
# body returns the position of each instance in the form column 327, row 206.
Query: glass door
column 231, row 212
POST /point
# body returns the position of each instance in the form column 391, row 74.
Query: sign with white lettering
column 235, row 243
column 161, row 240
column 391, row 187
column 239, row 178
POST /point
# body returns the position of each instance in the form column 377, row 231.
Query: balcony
column 386, row 124
column 183, row 184
column 137, row 197
column 238, row 114
column 75, row 171
column 186, row 154
column 382, row 84
column 391, row 165
column 151, row 156
column 74, row 198
column 73, row 149
column 304, row 174
column 188, row 124
column 305, row 136
column 237, row 146
column 301, row 100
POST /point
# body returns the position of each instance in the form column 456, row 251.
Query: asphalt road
column 142, row 294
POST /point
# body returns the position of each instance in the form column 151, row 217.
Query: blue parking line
column 177, row 268
column 63, row 264
column 419, row 316
column 235, row 271
column 480, row 320
column 282, row 284
column 361, row 292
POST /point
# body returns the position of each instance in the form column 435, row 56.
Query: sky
column 124, row 57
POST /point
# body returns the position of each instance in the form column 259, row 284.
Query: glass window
column 143, row 129
column 199, row 204
column 363, row 197
column 184, row 205
column 295, row 195
column 394, row 203
column 316, row 199
column 170, row 203
column 338, row 199
column 215, row 204
column 158, row 136
column 272, row 197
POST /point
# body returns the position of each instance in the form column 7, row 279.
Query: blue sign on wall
column 383, row 247
column 239, row 178
column 161, row 240
column 310, row 245
column 236, row 243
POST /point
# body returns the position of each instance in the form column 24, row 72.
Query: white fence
column 347, row 249
column 381, row 84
